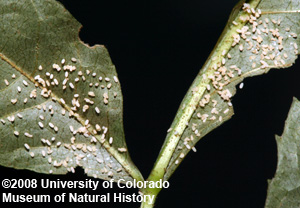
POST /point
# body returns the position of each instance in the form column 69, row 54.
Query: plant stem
column 192, row 98
column 148, row 204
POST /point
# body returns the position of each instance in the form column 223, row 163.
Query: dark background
column 158, row 48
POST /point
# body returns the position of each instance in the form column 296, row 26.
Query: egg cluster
column 43, row 110
column 258, row 42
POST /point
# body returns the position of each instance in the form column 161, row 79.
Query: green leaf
column 259, row 36
column 267, row 41
column 284, row 188
column 52, row 86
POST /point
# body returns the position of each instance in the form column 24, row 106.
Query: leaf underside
column 257, row 45
column 284, row 188
column 57, row 117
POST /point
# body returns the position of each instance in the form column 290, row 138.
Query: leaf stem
column 193, row 97
column 148, row 203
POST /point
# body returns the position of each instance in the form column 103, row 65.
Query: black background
column 158, row 48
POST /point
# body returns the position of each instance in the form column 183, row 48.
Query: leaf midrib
column 128, row 166
column 79, row 119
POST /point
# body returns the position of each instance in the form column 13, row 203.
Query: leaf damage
column 254, row 41
column 68, row 95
